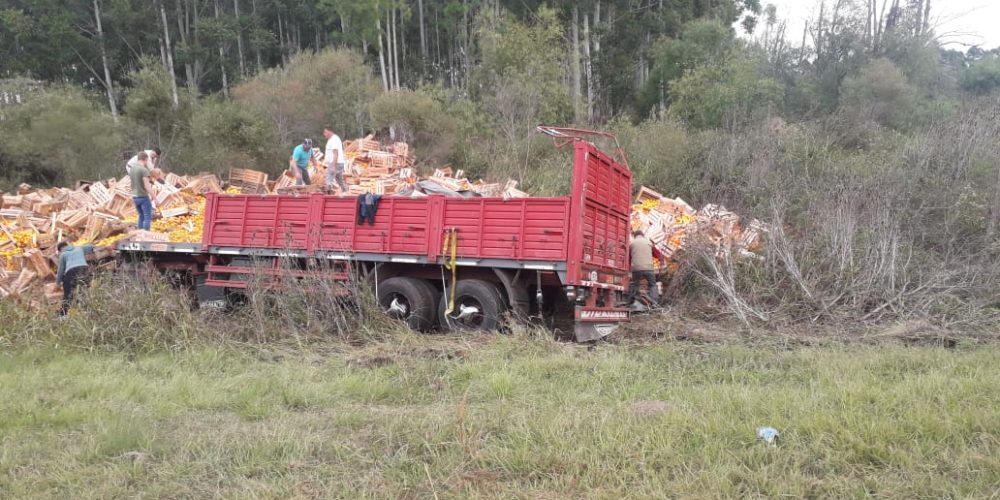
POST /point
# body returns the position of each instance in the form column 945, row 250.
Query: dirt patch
column 649, row 408
column 433, row 353
column 371, row 362
column 658, row 326
column 653, row 328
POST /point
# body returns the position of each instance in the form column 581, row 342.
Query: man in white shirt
column 335, row 161
column 153, row 160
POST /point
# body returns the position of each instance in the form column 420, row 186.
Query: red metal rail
column 587, row 231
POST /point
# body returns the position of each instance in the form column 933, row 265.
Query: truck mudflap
column 593, row 323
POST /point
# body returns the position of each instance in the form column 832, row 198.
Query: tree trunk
column 423, row 35
column 381, row 53
column 400, row 27
column 395, row 51
column 239, row 37
column 880, row 27
column 596, row 86
column 466, row 43
column 281, row 41
column 256, row 46
column 575, row 63
column 437, row 39
column 163, row 52
column 597, row 26
column 170, row 53
column 926, row 28
column 182, row 28
column 588, row 67
column 819, row 30
column 389, row 54
column 222, row 59
column 108, row 85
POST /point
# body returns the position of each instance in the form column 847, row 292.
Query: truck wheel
column 478, row 306
column 411, row 300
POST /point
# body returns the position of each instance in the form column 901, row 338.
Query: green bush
column 58, row 136
column 227, row 134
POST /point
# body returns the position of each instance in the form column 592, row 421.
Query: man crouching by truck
column 642, row 251
column 72, row 271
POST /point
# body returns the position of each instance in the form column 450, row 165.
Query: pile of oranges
column 184, row 228
column 23, row 239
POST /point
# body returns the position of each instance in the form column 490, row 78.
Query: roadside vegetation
column 867, row 335
column 282, row 399
column 451, row 417
column 871, row 148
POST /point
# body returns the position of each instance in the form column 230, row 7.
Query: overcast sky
column 957, row 22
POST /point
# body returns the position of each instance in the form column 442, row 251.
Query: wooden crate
column 99, row 194
column 72, row 220
column 23, row 281
column 202, row 184
column 143, row 235
column 176, row 180
column 122, row 205
column 95, row 227
column 174, row 212
column 53, row 293
column 648, row 194
column 10, row 200
column 248, row 181
column 38, row 264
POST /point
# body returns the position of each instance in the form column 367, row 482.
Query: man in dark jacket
column 642, row 252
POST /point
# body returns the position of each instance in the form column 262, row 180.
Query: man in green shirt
column 141, row 186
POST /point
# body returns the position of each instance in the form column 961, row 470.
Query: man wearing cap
column 335, row 161
column 300, row 160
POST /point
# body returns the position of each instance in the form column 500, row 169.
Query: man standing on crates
column 335, row 161
column 300, row 160
column 141, row 187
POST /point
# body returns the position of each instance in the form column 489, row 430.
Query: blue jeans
column 145, row 209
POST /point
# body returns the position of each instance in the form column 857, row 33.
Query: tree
column 726, row 93
column 59, row 135
column 880, row 92
column 331, row 88
column 149, row 102
column 229, row 134
column 700, row 41
column 982, row 76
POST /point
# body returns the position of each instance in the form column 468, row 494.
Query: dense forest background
column 873, row 150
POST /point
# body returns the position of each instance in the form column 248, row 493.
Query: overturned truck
column 436, row 261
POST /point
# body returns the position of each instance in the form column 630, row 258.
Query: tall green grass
column 454, row 417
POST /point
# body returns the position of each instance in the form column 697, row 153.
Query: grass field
column 444, row 417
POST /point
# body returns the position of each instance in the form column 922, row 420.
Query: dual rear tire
column 479, row 305
column 410, row 300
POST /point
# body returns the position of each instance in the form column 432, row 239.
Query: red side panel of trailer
column 588, row 230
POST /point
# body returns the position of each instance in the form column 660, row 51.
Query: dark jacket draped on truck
column 367, row 206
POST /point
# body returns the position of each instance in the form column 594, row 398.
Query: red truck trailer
column 435, row 261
